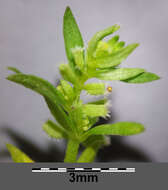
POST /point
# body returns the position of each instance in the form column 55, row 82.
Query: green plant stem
column 71, row 151
column 73, row 145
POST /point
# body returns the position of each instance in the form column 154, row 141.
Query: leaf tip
column 157, row 77
column 8, row 68
column 67, row 11
column 10, row 77
column 136, row 45
column 9, row 147
column 117, row 26
column 15, row 70
column 140, row 128
column 68, row 8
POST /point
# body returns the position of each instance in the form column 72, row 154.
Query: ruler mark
column 90, row 170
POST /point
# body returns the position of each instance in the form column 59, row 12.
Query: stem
column 73, row 145
column 71, row 151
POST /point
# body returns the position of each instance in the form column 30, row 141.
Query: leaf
column 113, row 40
column 72, row 35
column 113, row 59
column 38, row 85
column 60, row 89
column 86, row 123
column 142, row 78
column 92, row 121
column 78, row 58
column 52, row 96
column 17, row 155
column 102, row 49
column 92, row 45
column 92, row 144
column 68, row 74
column 59, row 114
column 93, row 110
column 99, row 102
column 78, row 117
column 120, row 128
column 68, row 90
column 89, row 154
column 94, row 139
column 95, row 88
column 120, row 74
column 118, row 46
column 114, row 45
column 53, row 130
column 14, row 69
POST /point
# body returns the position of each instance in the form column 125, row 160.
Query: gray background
column 31, row 40
column 147, row 176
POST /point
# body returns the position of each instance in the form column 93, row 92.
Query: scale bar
column 67, row 170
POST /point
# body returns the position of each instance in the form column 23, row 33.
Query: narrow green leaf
column 105, row 102
column 120, row 128
column 92, row 45
column 86, row 123
column 78, row 117
column 92, row 121
column 95, row 88
column 118, row 46
column 60, row 89
column 59, row 114
column 68, row 90
column 120, row 74
column 99, row 102
column 78, row 54
column 113, row 40
column 53, row 130
column 93, row 110
column 114, row 45
column 68, row 74
column 92, row 144
column 53, row 97
column 143, row 78
column 72, row 35
column 98, row 139
column 89, row 154
column 38, row 85
column 102, row 49
column 113, row 59
column 17, row 155
column 14, row 69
